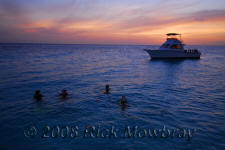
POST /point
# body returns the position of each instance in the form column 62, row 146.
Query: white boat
column 173, row 48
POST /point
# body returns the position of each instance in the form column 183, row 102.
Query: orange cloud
column 136, row 26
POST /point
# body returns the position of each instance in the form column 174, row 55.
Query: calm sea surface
column 178, row 94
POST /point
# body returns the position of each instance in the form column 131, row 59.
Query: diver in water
column 64, row 94
column 38, row 95
column 107, row 89
column 123, row 101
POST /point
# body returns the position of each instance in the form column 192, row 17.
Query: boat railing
column 191, row 51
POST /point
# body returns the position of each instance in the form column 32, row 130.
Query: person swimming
column 107, row 89
column 38, row 95
column 123, row 101
column 64, row 94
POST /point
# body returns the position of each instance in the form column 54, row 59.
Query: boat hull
column 172, row 54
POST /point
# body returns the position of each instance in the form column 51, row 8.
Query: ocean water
column 176, row 94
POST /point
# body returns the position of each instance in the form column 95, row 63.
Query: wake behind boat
column 173, row 48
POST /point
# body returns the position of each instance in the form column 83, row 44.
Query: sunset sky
column 111, row 21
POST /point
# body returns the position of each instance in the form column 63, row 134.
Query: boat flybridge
column 173, row 48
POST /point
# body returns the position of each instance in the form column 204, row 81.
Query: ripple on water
column 177, row 94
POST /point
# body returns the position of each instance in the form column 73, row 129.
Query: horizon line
column 104, row 44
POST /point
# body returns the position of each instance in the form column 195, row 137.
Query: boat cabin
column 172, row 42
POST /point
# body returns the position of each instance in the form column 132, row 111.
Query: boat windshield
column 176, row 46
column 173, row 46
column 165, row 45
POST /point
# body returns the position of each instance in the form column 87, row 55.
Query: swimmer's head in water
column 107, row 88
column 38, row 95
column 123, row 100
column 64, row 93
column 37, row 92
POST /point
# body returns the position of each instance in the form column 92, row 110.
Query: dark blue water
column 179, row 94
